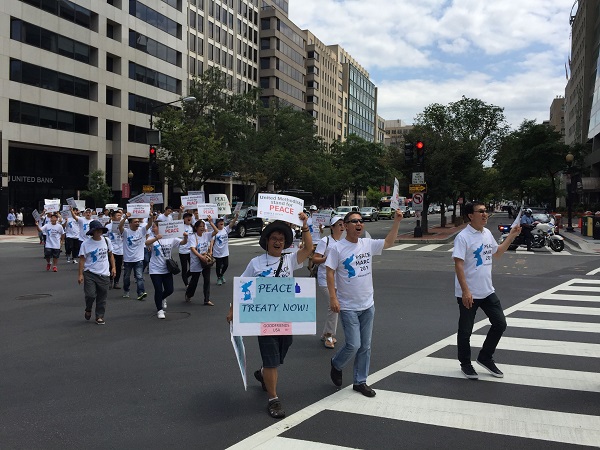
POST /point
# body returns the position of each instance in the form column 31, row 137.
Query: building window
column 154, row 18
column 67, row 10
column 154, row 48
column 41, row 116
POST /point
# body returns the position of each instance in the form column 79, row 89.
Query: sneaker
column 164, row 304
column 75, row 261
column 469, row 372
column 55, row 269
column 364, row 389
column 160, row 314
column 87, row 315
column 491, row 368
column 126, row 294
column 100, row 321
column 219, row 281
column 68, row 259
column 336, row 375
column 259, row 377
column 142, row 296
column 275, row 409
column 328, row 342
column 47, row 266
column 188, row 299
column 223, row 280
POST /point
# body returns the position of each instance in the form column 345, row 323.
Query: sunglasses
column 481, row 211
column 355, row 221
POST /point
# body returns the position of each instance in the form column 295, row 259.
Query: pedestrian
column 12, row 221
column 71, row 226
column 184, row 249
column 162, row 279
column 96, row 266
column 134, row 239
column 84, row 223
column 276, row 237
column 474, row 248
column 166, row 216
column 526, row 227
column 20, row 222
column 116, row 239
column 319, row 258
column 221, row 247
column 200, row 260
column 350, row 286
column 54, row 234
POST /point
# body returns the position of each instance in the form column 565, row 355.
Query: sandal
column 275, row 409
column 88, row 315
column 328, row 342
column 209, row 303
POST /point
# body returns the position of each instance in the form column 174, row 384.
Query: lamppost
column 569, row 158
column 153, row 138
column 130, row 178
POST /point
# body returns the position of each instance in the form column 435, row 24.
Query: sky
column 507, row 53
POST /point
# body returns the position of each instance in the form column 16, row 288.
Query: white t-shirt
column 323, row 248
column 161, row 250
column 53, row 234
column 353, row 267
column 96, row 256
column 266, row 266
column 476, row 249
column 84, row 227
column 72, row 228
column 185, row 249
column 115, row 239
column 163, row 218
column 133, row 244
column 202, row 244
column 221, row 245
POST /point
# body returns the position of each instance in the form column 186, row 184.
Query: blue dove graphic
column 266, row 273
column 94, row 255
column 348, row 266
column 477, row 254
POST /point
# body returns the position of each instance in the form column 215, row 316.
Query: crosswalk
column 449, row 247
column 547, row 399
column 250, row 241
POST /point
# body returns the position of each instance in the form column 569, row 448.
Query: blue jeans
column 358, row 329
column 138, row 274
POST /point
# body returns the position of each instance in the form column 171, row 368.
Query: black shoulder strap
column 107, row 247
column 279, row 267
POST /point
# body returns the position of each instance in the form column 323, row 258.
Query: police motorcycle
column 542, row 235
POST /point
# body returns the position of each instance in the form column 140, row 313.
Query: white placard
column 280, row 207
column 115, row 226
column 172, row 229
column 153, row 197
column 395, row 201
column 65, row 209
column 139, row 210
column 36, row 215
column 197, row 194
column 191, row 201
column 99, row 210
column 112, row 206
column 208, row 209
column 80, row 205
column 323, row 219
column 52, row 207
column 222, row 202
column 72, row 202
column 238, row 207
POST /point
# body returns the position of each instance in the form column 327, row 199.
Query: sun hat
column 277, row 225
column 96, row 225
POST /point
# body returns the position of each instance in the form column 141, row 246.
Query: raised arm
column 391, row 236
column 307, row 248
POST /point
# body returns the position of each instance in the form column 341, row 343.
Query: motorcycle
column 542, row 235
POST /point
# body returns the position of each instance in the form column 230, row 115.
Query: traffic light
column 409, row 150
column 420, row 152
column 152, row 155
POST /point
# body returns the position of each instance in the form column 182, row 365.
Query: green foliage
column 98, row 191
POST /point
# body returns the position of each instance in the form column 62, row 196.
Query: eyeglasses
column 481, row 211
column 355, row 221
column 280, row 241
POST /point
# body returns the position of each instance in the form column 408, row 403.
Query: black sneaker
column 491, row 368
column 275, row 409
column 259, row 377
column 469, row 372
column 142, row 296
column 336, row 375
column 364, row 389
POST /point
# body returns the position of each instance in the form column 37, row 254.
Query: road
column 143, row 383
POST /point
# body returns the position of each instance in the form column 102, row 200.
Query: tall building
column 80, row 81
column 557, row 115
column 395, row 132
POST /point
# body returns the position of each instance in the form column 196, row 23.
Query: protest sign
column 51, row 205
column 280, row 207
column 112, row 206
column 72, row 202
column 197, row 194
column 222, row 202
column 517, row 221
column 154, row 197
column 137, row 199
column 173, row 229
column 80, row 205
column 191, row 201
column 238, row 207
column 36, row 215
column 274, row 306
column 65, row 209
column 99, row 210
column 139, row 210
column 114, row 226
column 395, row 201
column 208, row 209
column 240, row 354
column 323, row 219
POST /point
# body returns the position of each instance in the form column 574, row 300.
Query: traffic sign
column 418, row 177
column 148, row 188
column 417, row 202
column 417, row 188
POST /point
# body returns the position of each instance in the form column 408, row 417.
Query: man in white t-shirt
column 134, row 240
column 84, row 223
column 474, row 248
column 72, row 244
column 184, row 249
column 166, row 216
column 54, row 233
column 350, row 286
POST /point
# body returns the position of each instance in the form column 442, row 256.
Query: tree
column 98, row 191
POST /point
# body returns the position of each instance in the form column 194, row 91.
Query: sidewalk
column 586, row 244
column 29, row 234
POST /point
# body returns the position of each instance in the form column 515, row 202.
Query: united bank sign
column 29, row 179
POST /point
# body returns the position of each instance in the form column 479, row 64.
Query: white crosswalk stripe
column 251, row 241
column 488, row 417
column 521, row 251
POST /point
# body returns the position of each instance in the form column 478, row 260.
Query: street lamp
column 569, row 158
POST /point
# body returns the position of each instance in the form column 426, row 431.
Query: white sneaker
column 164, row 304
column 160, row 314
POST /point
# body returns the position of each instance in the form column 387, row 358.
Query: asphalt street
column 138, row 382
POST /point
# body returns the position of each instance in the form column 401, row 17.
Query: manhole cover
column 33, row 296
column 174, row 315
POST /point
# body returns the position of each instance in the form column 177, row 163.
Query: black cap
column 96, row 225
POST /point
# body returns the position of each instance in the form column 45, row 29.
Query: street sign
column 417, row 188
column 417, row 202
column 418, row 177
column 147, row 188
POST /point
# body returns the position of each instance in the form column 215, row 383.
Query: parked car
column 387, row 213
column 369, row 213
column 247, row 222
column 434, row 209
column 410, row 212
column 343, row 210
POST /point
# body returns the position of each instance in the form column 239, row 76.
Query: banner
column 153, row 197
column 280, row 207
column 323, row 219
column 139, row 210
column 395, row 201
column 208, row 209
column 222, row 202
column 172, row 229
column 192, row 201
column 274, row 306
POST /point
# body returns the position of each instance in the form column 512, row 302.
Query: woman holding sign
column 200, row 257
column 162, row 279
column 276, row 237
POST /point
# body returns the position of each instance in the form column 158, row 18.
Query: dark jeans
column 527, row 236
column 70, row 246
column 138, row 274
column 492, row 308
column 76, row 248
column 195, row 276
column 163, row 287
column 147, row 255
column 184, row 260
column 118, row 267
column 222, row 264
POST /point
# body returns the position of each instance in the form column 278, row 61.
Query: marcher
column 526, row 227
column 161, row 249
column 474, row 247
column 20, row 222
column 276, row 237
column 201, row 254
column 221, row 247
column 72, row 243
column 350, row 286
column 184, row 249
column 96, row 266
column 134, row 239
column 117, row 242
column 12, row 221
column 84, row 223
column 166, row 216
column 54, row 234
column 319, row 258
